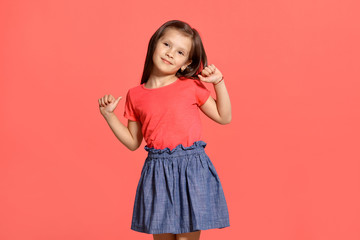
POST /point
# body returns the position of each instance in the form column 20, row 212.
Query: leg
column 164, row 236
column 189, row 236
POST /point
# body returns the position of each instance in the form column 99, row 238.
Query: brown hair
column 197, row 53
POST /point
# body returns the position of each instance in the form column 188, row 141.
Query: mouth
column 165, row 61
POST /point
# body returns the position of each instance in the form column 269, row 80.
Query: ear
column 185, row 65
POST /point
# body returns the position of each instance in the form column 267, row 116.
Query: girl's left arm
column 218, row 110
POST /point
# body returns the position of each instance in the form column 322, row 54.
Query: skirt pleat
column 179, row 191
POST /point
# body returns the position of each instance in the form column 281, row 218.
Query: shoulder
column 133, row 93
column 134, row 90
column 192, row 82
column 197, row 84
column 187, row 80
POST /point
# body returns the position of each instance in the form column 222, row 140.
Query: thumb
column 201, row 77
column 118, row 99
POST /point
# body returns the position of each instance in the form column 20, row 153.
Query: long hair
column 197, row 53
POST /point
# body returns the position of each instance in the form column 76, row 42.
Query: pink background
column 288, row 161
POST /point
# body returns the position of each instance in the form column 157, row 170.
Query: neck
column 156, row 81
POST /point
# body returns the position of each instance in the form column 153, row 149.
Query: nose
column 169, row 54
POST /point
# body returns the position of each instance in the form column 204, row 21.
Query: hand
column 210, row 74
column 108, row 103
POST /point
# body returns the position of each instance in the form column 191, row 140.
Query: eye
column 166, row 44
column 181, row 53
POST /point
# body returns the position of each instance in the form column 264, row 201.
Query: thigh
column 189, row 236
column 164, row 236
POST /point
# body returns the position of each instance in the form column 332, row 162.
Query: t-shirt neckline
column 151, row 89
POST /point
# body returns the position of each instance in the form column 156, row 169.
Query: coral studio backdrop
column 288, row 161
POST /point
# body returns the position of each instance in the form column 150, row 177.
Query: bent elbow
column 226, row 121
column 132, row 148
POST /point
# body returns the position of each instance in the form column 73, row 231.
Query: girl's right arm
column 131, row 136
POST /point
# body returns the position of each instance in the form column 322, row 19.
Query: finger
column 106, row 100
column 202, row 78
column 102, row 102
column 110, row 99
column 206, row 72
column 99, row 102
column 208, row 69
column 212, row 68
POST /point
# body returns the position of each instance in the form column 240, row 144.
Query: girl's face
column 171, row 52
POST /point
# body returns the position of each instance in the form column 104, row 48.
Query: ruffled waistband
column 198, row 145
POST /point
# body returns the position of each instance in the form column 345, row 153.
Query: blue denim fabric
column 179, row 191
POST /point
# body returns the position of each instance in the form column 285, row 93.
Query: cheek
column 156, row 54
column 159, row 48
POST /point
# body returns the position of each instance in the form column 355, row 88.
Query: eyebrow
column 181, row 48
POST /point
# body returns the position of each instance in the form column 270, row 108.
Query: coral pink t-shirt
column 170, row 114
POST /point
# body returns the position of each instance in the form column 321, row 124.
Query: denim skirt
column 179, row 191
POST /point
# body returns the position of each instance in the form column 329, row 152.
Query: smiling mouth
column 166, row 61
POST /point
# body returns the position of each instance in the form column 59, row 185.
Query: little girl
column 179, row 192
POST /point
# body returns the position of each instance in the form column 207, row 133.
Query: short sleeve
column 129, row 111
column 201, row 92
